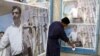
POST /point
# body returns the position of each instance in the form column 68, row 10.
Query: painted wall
column 5, row 21
column 56, row 10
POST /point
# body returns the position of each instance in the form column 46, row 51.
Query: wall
column 56, row 10
column 5, row 21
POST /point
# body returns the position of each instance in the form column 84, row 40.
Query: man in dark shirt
column 56, row 32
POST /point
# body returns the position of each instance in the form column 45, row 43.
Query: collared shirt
column 73, row 36
column 74, row 12
column 12, row 36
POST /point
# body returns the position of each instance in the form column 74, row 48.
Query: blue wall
column 5, row 21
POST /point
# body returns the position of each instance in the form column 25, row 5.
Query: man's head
column 65, row 21
column 1, row 34
column 74, row 27
column 76, row 4
column 16, row 12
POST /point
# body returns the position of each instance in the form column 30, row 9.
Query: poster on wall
column 81, row 35
column 82, row 29
column 33, row 31
column 35, row 27
column 29, row 1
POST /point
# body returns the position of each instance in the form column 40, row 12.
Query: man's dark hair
column 65, row 20
column 16, row 7
column 1, row 32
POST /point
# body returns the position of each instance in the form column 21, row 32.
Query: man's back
column 54, row 28
column 56, row 32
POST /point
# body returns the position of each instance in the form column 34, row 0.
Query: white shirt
column 74, row 12
column 73, row 35
column 12, row 36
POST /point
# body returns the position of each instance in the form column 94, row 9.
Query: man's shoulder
column 10, row 27
column 56, row 22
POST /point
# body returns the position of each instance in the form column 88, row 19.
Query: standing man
column 13, row 35
column 56, row 32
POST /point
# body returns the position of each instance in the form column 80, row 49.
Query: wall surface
column 5, row 21
column 56, row 10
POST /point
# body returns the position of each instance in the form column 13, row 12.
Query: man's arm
column 65, row 38
column 4, row 41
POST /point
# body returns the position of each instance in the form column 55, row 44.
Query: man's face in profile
column 64, row 25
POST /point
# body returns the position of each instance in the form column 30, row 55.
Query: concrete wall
column 56, row 10
column 5, row 21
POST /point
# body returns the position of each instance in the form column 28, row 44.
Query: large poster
column 34, row 23
column 82, row 29
column 35, row 28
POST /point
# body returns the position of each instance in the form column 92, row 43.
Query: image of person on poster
column 56, row 32
column 13, row 35
column 1, row 34
column 74, row 12
column 73, row 35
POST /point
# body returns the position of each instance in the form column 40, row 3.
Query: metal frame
column 51, row 10
column 98, row 30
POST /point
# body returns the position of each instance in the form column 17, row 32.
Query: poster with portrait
column 83, row 23
column 34, row 20
column 83, row 36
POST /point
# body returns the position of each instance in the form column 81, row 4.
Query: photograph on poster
column 80, row 11
column 32, row 33
column 81, row 35
column 1, row 34
column 35, row 25
column 82, row 29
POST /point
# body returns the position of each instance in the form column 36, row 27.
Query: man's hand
column 71, row 44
